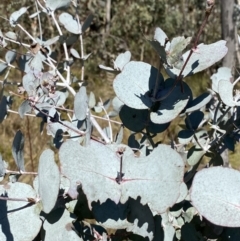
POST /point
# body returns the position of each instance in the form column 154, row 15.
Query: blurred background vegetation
column 118, row 25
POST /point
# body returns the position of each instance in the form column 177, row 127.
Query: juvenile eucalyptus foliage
column 142, row 189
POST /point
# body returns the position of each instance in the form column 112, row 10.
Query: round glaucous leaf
column 151, row 186
column 177, row 45
column 55, row 4
column 11, row 35
column 16, row 15
column 222, row 73
column 215, row 193
column 17, row 216
column 70, row 23
column 134, row 85
column 58, row 226
column 203, row 57
column 194, row 119
column 24, row 108
column 160, row 43
column 122, row 60
column 48, row 180
column 198, row 102
column 81, row 103
column 135, row 120
column 225, row 90
column 10, row 56
column 170, row 107
column 185, row 136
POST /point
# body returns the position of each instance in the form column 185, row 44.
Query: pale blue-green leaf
column 149, row 186
column 173, row 104
column 53, row 127
column 117, row 104
column 51, row 41
column 119, row 136
column 160, row 44
column 55, row 4
column 156, row 128
column 16, row 15
column 194, row 155
column 134, row 84
column 122, row 60
column 3, row 108
column 225, row 90
column 159, row 49
column 185, row 136
column 13, row 214
column 3, row 67
column 189, row 214
column 11, row 35
column 10, row 56
column 30, row 83
column 183, row 192
column 36, row 62
column 2, row 167
column 112, row 113
column 91, row 100
column 135, row 120
column 177, row 45
column 70, row 23
column 75, row 53
column 161, row 37
column 24, row 108
column 106, row 130
column 198, row 102
column 34, row 14
column 81, row 103
column 215, row 193
column 193, row 120
column 132, row 142
column 223, row 73
column 202, row 58
column 168, row 228
column 48, row 180
column 60, row 228
column 87, row 22
column 17, row 150
column 60, row 97
column 97, row 109
column 108, row 69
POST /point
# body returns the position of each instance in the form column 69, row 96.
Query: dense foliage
column 92, row 186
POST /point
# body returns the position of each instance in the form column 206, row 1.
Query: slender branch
column 27, row 33
column 21, row 172
column 207, row 14
column 39, row 21
column 64, row 47
column 109, row 123
column 29, row 200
